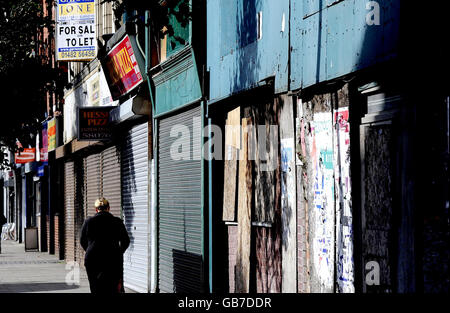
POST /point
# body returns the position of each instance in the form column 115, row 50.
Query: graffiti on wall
column 344, row 231
column 323, row 188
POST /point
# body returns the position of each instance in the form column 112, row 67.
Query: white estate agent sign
column 75, row 30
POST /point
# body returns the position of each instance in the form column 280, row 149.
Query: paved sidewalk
column 36, row 272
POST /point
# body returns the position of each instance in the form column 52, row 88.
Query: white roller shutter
column 135, row 199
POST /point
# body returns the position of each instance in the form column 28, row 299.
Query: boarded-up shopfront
column 324, row 193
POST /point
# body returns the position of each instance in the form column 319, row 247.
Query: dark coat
column 105, row 239
column 3, row 219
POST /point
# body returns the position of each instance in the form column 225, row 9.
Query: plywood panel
column 233, row 134
column 230, row 176
column 288, row 196
column 232, row 146
column 244, row 215
column 265, row 155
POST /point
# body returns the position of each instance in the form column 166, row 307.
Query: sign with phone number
column 82, row 55
column 76, row 30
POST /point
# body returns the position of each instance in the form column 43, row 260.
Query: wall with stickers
column 323, row 170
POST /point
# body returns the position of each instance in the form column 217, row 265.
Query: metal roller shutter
column 110, row 172
column 93, row 190
column 79, row 207
column 180, row 208
column 69, row 211
column 135, row 196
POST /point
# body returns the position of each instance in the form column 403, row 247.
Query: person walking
column 3, row 221
column 105, row 240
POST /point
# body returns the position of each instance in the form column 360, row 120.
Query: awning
column 130, row 109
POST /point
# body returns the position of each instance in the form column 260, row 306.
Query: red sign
column 122, row 68
column 26, row 156
column 43, row 155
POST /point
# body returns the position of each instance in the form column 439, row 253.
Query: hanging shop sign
column 122, row 68
column 26, row 156
column 44, row 149
column 41, row 171
column 51, row 135
column 93, row 123
column 75, row 30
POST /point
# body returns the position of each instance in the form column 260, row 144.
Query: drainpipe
column 153, row 209
column 210, row 206
column 448, row 125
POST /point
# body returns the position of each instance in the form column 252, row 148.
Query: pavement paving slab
column 38, row 272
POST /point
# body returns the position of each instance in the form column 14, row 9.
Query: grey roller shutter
column 110, row 172
column 69, row 211
column 179, row 207
column 93, row 190
column 79, row 207
column 135, row 196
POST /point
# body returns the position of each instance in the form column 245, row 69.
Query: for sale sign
column 75, row 30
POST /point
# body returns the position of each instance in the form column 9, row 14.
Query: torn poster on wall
column 288, row 217
column 344, row 231
column 323, row 188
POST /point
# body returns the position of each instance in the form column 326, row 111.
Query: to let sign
column 93, row 123
column 122, row 68
column 75, row 30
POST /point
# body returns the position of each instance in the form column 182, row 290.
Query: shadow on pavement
column 33, row 287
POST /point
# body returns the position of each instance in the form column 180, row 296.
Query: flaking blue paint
column 237, row 60
column 330, row 38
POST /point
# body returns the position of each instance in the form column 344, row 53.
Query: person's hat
column 101, row 204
